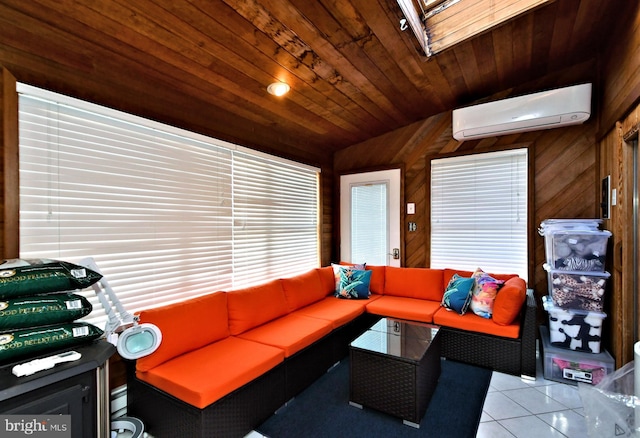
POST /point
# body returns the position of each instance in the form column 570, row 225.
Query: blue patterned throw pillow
column 457, row 295
column 353, row 283
column 336, row 272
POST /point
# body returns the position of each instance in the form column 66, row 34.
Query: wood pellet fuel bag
column 38, row 310
column 22, row 277
column 30, row 342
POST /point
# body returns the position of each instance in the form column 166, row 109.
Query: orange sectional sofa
column 228, row 360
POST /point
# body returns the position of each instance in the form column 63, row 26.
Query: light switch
column 411, row 208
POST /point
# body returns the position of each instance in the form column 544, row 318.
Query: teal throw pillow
column 354, row 283
column 336, row 272
column 457, row 295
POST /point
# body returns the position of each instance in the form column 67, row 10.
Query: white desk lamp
column 131, row 339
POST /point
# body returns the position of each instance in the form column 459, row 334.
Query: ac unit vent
column 543, row 110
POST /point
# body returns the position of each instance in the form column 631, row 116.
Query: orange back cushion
column 448, row 273
column 376, row 285
column 423, row 283
column 509, row 301
column 186, row 326
column 328, row 280
column 504, row 277
column 303, row 289
column 253, row 306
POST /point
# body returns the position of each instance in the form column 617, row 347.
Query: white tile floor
column 523, row 408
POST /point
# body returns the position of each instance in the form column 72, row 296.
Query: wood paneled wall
column 326, row 215
column 621, row 69
column 9, row 189
column 620, row 121
column 565, row 167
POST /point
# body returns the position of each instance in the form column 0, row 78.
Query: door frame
column 401, row 218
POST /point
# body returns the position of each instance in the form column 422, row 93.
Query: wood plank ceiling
column 205, row 64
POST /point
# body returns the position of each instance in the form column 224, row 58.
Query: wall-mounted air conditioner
column 543, row 110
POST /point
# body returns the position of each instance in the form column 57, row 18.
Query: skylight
column 440, row 24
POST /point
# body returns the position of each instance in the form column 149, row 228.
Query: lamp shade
column 138, row 341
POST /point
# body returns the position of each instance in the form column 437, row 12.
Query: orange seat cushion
column 204, row 376
column 376, row 285
column 472, row 322
column 303, row 289
column 253, row 306
column 291, row 333
column 336, row 310
column 413, row 309
column 421, row 283
column 509, row 301
column 186, row 326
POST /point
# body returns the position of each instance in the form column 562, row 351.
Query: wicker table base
column 395, row 367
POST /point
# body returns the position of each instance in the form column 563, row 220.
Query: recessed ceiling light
column 278, row 88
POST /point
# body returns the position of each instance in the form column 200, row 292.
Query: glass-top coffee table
column 395, row 366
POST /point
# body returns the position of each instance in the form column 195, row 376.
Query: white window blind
column 479, row 212
column 369, row 238
column 167, row 214
column 276, row 227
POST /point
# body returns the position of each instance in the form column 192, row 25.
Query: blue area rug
column 323, row 409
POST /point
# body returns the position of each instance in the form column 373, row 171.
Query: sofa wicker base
column 348, row 332
column 306, row 366
column 499, row 354
column 232, row 416
column 505, row 355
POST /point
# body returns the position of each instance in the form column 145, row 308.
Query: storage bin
column 577, row 290
column 574, row 329
column 567, row 366
column 577, row 250
column 550, row 225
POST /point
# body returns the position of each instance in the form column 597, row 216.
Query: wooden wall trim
column 9, row 166
column 616, row 160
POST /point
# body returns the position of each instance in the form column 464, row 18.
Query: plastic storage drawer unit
column 577, row 290
column 574, row 329
column 571, row 367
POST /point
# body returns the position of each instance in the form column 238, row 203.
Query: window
column 479, row 212
column 167, row 214
column 369, row 229
column 440, row 24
